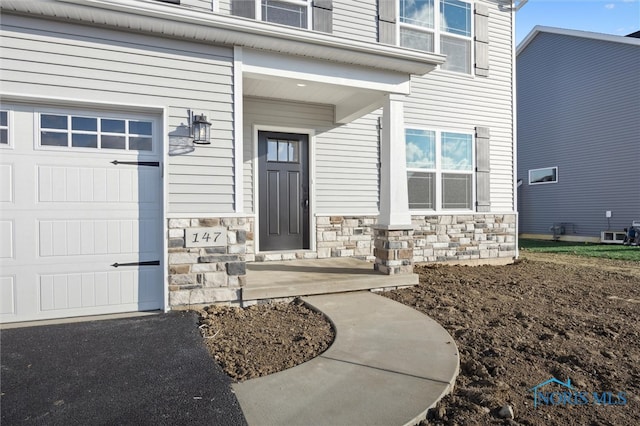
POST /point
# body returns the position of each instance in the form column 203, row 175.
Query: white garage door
column 81, row 221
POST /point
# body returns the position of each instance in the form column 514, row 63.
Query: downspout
column 516, row 5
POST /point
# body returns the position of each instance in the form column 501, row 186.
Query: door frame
column 312, row 189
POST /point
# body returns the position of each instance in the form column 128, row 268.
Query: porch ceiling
column 353, row 90
column 350, row 103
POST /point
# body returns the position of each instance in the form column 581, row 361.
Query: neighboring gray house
column 382, row 130
column 578, row 115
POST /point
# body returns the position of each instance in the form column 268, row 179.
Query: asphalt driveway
column 144, row 370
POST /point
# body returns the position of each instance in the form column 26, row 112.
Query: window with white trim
column 448, row 31
column 293, row 13
column 4, row 128
column 105, row 133
column 439, row 169
column 543, row 176
column 316, row 15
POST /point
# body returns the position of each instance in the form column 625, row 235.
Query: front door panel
column 283, row 191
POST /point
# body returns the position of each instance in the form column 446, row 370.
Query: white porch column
column 393, row 234
column 394, row 197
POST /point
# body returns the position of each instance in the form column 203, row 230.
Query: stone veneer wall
column 345, row 236
column 464, row 237
column 209, row 274
column 217, row 274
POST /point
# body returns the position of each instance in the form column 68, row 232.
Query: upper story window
column 458, row 29
column 294, row 13
column 447, row 32
column 314, row 15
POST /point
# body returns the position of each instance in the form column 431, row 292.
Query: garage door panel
column 69, row 214
column 7, row 295
column 98, row 237
column 6, row 183
column 7, row 242
column 71, row 291
column 113, row 184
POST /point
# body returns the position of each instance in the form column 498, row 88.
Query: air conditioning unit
column 557, row 229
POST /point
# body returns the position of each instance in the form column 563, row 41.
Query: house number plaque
column 206, row 237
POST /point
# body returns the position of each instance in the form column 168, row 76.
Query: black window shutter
column 244, row 8
column 387, row 15
column 481, row 43
column 323, row 15
column 483, row 170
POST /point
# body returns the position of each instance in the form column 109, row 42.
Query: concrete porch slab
column 304, row 277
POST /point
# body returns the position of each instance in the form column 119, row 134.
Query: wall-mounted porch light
column 200, row 129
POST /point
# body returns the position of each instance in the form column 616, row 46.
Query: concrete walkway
column 387, row 366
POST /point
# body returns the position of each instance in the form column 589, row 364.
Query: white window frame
column 544, row 168
column 9, row 128
column 307, row 3
column 439, row 171
column 437, row 32
column 155, row 132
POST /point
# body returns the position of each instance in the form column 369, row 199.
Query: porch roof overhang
column 199, row 25
column 277, row 61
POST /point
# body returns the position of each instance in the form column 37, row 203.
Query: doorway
column 283, row 188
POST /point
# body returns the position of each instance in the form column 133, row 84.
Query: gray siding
column 579, row 109
column 452, row 101
column 224, row 7
column 85, row 64
column 345, row 157
column 347, row 171
column 356, row 20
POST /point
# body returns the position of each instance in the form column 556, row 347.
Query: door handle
column 145, row 263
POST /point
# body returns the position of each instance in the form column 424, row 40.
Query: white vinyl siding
column 345, row 157
column 455, row 102
column 91, row 64
column 224, row 7
column 355, row 20
column 347, row 173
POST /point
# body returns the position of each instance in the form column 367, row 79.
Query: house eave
column 539, row 29
column 208, row 27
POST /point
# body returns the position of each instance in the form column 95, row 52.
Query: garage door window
column 4, row 128
column 95, row 132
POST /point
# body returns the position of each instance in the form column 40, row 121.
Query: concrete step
column 387, row 366
column 271, row 280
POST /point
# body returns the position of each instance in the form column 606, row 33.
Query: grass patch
column 607, row 251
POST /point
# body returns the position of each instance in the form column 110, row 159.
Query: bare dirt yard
column 516, row 326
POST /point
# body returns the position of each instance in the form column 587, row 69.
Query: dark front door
column 283, row 183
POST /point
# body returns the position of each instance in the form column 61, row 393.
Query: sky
column 617, row 17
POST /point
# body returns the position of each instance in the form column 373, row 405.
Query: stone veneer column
column 207, row 275
column 393, row 235
column 393, row 249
